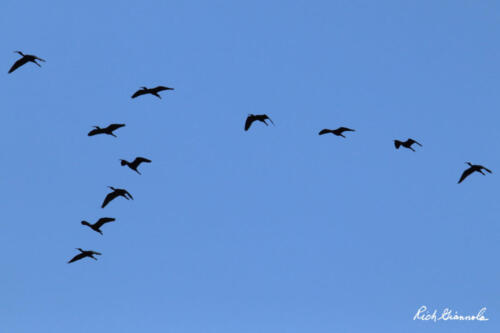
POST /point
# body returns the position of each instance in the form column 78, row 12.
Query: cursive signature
column 447, row 314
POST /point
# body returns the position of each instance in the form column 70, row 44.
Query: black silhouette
column 84, row 254
column 337, row 132
column 406, row 144
column 25, row 58
column 117, row 192
column 471, row 169
column 106, row 130
column 152, row 91
column 133, row 165
column 253, row 117
column 96, row 226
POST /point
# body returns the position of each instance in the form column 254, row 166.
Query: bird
column 253, row 117
column 337, row 132
column 406, row 144
column 117, row 192
column 84, row 254
column 106, row 130
column 133, row 165
column 96, row 226
column 471, row 169
column 152, row 91
column 25, row 58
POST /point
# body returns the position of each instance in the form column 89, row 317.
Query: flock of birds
column 119, row 192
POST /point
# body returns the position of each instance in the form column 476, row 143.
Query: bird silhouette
column 84, row 254
column 337, row 132
column 253, row 117
column 106, row 130
column 471, row 169
column 117, row 192
column 25, row 58
column 133, row 165
column 96, row 226
column 152, row 91
column 406, row 144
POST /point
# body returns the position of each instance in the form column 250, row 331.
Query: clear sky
column 272, row 230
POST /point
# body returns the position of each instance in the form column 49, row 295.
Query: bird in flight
column 96, row 226
column 84, row 254
column 337, row 132
column 117, row 192
column 133, row 165
column 406, row 144
column 152, row 91
column 25, row 58
column 253, row 117
column 106, row 130
column 471, row 169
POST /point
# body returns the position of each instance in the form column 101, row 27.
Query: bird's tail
column 123, row 162
column 397, row 143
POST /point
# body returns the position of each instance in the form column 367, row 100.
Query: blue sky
column 272, row 230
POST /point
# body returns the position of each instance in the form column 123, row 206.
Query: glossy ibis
column 337, row 132
column 96, row 226
column 471, row 169
column 133, row 165
column 106, row 130
column 253, row 117
column 25, row 58
column 117, row 192
column 84, row 254
column 152, row 91
column 406, row 144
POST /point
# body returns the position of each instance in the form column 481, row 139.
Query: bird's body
column 472, row 168
column 133, row 165
column 25, row 59
column 117, row 192
column 337, row 132
column 152, row 91
column 84, row 254
column 96, row 226
column 106, row 130
column 406, row 144
column 253, row 117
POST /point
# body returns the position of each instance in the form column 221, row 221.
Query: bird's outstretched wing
column 139, row 160
column 114, row 127
column 324, row 131
column 77, row 257
column 465, row 174
column 140, row 92
column 248, row 122
column 102, row 221
column 18, row 64
column 161, row 88
column 95, row 132
column 397, row 144
column 414, row 141
column 108, row 198
column 344, row 129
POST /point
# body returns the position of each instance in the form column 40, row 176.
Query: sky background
column 272, row 230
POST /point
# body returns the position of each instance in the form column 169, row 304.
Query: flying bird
column 84, row 254
column 106, row 130
column 117, row 192
column 133, row 165
column 152, row 91
column 96, row 226
column 253, row 117
column 406, row 144
column 337, row 132
column 25, row 58
column 471, row 169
